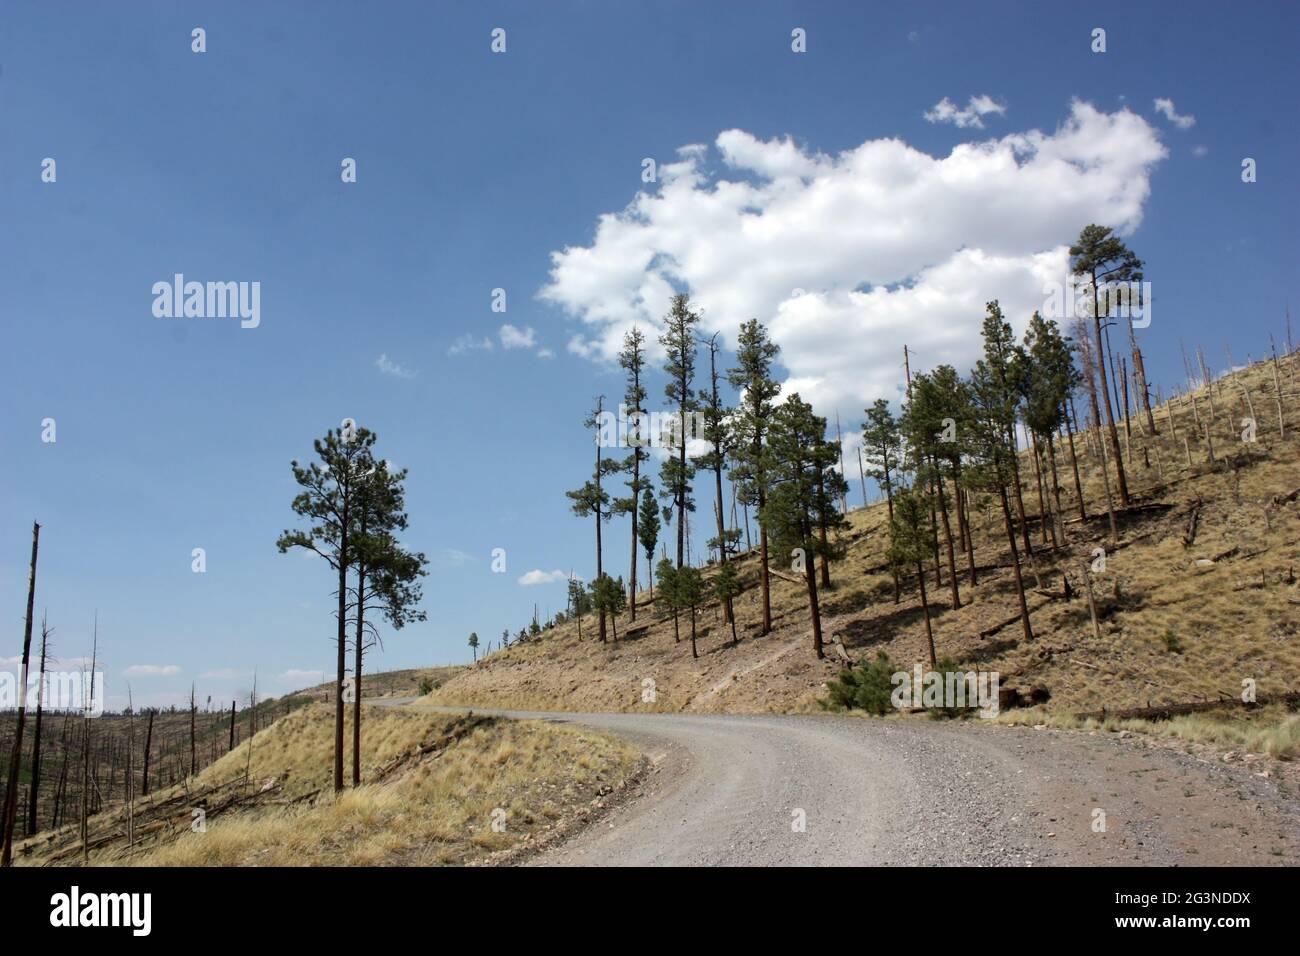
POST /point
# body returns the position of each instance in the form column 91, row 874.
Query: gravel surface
column 732, row 790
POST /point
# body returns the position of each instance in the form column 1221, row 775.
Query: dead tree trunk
column 11, row 789
column 34, row 794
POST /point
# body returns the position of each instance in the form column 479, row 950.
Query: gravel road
column 826, row 790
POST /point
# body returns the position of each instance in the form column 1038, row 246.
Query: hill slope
column 1178, row 622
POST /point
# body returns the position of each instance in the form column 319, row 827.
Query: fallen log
column 1166, row 711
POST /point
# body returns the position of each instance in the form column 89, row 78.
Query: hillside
column 1178, row 622
column 432, row 786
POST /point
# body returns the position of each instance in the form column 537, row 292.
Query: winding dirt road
column 825, row 790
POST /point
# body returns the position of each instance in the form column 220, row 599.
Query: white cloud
column 469, row 343
column 1200, row 151
column 538, row 576
column 389, row 367
column 516, row 338
column 545, row 354
column 152, row 670
column 1165, row 107
column 977, row 107
column 891, row 245
column 451, row 558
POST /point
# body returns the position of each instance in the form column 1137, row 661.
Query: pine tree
column 690, row 591
column 669, row 598
column 632, row 359
column 591, row 500
column 882, row 450
column 930, row 422
column 909, row 545
column 1101, row 257
column 995, row 397
column 1051, row 378
column 648, row 532
column 798, row 499
column 329, row 499
column 387, row 575
column 752, row 377
column 473, row 644
column 726, row 588
column 715, row 432
column 676, row 473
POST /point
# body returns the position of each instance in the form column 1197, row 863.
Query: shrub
column 426, row 686
column 1172, row 644
column 865, row 687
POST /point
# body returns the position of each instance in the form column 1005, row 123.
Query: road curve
column 827, row 790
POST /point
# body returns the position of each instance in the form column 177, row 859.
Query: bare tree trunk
column 925, row 611
column 10, row 821
column 342, row 656
column 148, row 743
column 1015, row 563
column 1074, row 462
column 821, row 533
column 34, row 794
column 1105, row 400
column 814, row 609
column 947, row 536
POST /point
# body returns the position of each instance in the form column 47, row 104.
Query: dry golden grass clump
column 432, row 787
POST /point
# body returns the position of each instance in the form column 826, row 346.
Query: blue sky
column 474, row 168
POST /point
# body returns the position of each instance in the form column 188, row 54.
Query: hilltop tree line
column 952, row 447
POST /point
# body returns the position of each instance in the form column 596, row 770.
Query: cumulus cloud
column 389, row 367
column 470, row 343
column 977, row 107
column 849, row 257
column 538, row 576
column 152, row 670
column 516, row 338
column 1165, row 107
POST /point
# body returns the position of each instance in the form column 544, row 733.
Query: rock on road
column 828, row 790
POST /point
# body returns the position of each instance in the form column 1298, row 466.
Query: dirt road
column 824, row 790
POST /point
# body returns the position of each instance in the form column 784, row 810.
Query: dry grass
column 1171, row 630
column 1268, row 730
column 433, row 809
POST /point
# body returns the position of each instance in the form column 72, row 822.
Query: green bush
column 865, row 687
column 426, row 686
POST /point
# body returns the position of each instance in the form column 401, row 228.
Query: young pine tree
column 798, row 499
column 669, row 597
column 690, row 590
column 591, row 500
column 676, row 474
column 648, row 532
column 715, row 416
column 632, row 359
column 752, row 377
column 909, row 545
column 994, row 399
